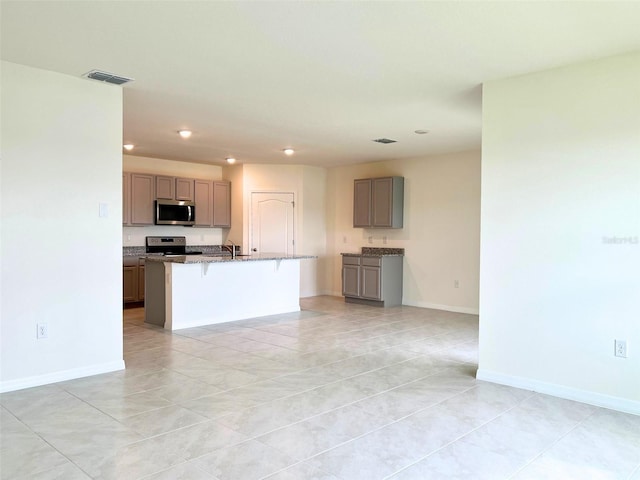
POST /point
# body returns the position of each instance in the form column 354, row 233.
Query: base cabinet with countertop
column 373, row 278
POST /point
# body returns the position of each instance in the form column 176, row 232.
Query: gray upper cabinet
column 165, row 188
column 184, row 189
column 378, row 202
column 126, row 198
column 138, row 192
column 172, row 188
column 213, row 203
column 203, row 190
column 211, row 197
column 221, row 204
column 362, row 203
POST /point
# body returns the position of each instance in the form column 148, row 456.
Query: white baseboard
column 319, row 293
column 436, row 306
column 583, row 396
column 38, row 380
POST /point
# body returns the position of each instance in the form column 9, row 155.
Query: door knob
column 254, row 249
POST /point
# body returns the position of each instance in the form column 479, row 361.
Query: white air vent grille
column 107, row 77
column 384, row 140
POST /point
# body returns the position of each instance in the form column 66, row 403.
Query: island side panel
column 155, row 285
column 210, row 293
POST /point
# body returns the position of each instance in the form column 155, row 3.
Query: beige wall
column 234, row 174
column 560, row 232
column 441, row 227
column 61, row 261
column 308, row 184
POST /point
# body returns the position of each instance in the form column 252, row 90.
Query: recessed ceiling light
column 421, row 132
column 289, row 151
column 231, row 160
column 128, row 147
column 384, row 140
column 184, row 133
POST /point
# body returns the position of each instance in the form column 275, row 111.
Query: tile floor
column 335, row 392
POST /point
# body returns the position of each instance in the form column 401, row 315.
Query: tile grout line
column 459, row 438
column 49, row 444
column 551, row 445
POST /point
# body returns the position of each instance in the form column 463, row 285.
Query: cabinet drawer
column 346, row 260
column 130, row 261
column 372, row 261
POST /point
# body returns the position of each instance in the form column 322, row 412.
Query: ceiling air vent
column 107, row 77
column 384, row 140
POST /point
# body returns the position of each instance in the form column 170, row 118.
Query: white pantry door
column 272, row 222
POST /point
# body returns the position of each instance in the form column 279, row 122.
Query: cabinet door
column 387, row 202
column 165, row 188
column 141, row 282
column 130, row 284
column 371, row 283
column 362, row 203
column 126, row 198
column 382, row 198
column 142, row 194
column 351, row 280
column 184, row 189
column 221, row 204
column 203, row 194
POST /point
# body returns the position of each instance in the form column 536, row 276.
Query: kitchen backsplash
column 135, row 236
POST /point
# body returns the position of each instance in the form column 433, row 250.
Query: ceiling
column 325, row 78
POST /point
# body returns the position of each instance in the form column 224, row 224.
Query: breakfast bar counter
column 184, row 291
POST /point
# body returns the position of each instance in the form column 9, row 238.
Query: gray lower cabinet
column 132, row 279
column 372, row 280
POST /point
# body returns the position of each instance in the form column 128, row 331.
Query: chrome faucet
column 231, row 248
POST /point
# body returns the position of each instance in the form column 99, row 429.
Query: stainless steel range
column 167, row 246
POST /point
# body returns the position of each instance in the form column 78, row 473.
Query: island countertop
column 189, row 259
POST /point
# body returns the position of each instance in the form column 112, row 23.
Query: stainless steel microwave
column 175, row 212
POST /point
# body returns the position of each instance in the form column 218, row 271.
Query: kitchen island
column 184, row 291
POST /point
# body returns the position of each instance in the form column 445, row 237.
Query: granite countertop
column 225, row 258
column 209, row 250
column 377, row 252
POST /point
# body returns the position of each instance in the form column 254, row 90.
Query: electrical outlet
column 456, row 284
column 370, row 239
column 621, row 348
column 43, row 330
column 384, row 239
